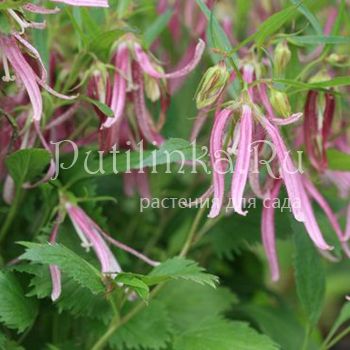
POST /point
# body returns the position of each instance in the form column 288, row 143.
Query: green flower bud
column 280, row 103
column 212, row 85
column 282, row 57
column 152, row 89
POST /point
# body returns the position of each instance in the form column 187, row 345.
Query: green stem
column 306, row 339
column 116, row 322
column 336, row 339
column 11, row 215
column 193, row 230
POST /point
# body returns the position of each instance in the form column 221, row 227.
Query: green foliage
column 69, row 262
column 27, row 164
column 150, row 329
column 216, row 333
column 180, row 268
column 309, row 274
column 338, row 160
column 16, row 310
column 153, row 32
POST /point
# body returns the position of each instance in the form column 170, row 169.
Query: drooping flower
column 317, row 128
column 91, row 236
column 11, row 54
column 268, row 231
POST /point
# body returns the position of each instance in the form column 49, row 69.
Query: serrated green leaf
column 156, row 28
column 180, row 268
column 69, row 262
column 280, row 325
column 309, row 273
column 217, row 333
column 150, row 329
column 135, row 283
column 25, row 165
column 187, row 302
column 16, row 311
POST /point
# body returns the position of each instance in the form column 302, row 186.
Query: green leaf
column 149, row 329
column 156, row 28
column 309, row 15
column 309, row 273
column 273, row 24
column 318, row 39
column 280, row 325
column 216, row 333
column 343, row 317
column 101, row 106
column 338, row 160
column 216, row 36
column 172, row 151
column 101, row 43
column 69, row 262
column 187, row 302
column 5, row 25
column 135, row 283
column 180, row 268
column 27, row 164
column 16, row 311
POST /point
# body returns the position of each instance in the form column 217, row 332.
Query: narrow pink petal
column 51, row 91
column 120, row 86
column 56, row 121
column 24, row 72
column 248, row 76
column 287, row 121
column 347, row 230
column 82, row 217
column 87, row 3
column 218, row 165
column 317, row 196
column 39, row 9
column 266, row 102
column 241, row 171
column 143, row 117
column 107, row 260
column 291, row 179
column 34, row 52
column 310, row 222
column 143, row 185
column 268, row 231
column 55, row 273
column 147, row 66
column 199, row 122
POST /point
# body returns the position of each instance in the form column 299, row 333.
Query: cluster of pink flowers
column 138, row 78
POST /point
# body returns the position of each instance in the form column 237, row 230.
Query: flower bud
column 152, row 89
column 280, row 103
column 282, row 56
column 335, row 59
column 212, row 85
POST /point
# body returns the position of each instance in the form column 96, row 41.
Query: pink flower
column 268, row 231
column 24, row 73
column 240, row 175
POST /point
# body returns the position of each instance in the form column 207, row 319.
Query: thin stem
column 306, row 339
column 11, row 215
column 193, row 230
column 116, row 322
column 336, row 339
